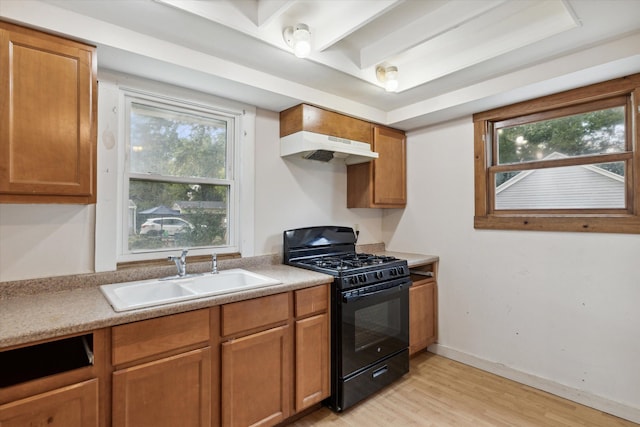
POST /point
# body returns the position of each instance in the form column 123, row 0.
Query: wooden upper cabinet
column 48, row 105
column 381, row 183
column 314, row 119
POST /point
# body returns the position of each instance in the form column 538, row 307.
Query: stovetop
column 355, row 270
column 332, row 250
column 346, row 262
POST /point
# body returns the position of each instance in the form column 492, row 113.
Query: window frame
column 176, row 102
column 589, row 98
column 180, row 106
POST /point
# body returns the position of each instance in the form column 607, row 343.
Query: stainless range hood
column 315, row 146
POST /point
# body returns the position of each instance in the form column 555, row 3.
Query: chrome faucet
column 181, row 262
column 214, row 264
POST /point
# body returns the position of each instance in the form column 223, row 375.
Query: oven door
column 373, row 323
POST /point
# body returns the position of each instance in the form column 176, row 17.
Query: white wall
column 293, row 192
column 557, row 310
column 53, row 240
column 45, row 240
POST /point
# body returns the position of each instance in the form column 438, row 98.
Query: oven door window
column 374, row 327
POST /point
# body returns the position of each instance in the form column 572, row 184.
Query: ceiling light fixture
column 299, row 39
column 388, row 76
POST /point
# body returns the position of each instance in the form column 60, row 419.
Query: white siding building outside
column 571, row 187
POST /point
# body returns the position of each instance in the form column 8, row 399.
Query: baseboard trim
column 579, row 396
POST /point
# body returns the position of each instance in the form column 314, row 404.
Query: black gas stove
column 369, row 310
column 332, row 250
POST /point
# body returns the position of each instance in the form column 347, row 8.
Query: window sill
column 163, row 262
column 627, row 224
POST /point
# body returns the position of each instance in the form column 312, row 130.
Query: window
column 564, row 162
column 179, row 185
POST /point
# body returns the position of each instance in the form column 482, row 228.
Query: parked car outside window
column 170, row 226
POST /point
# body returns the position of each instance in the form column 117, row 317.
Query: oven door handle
column 352, row 298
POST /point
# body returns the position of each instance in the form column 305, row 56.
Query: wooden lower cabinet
column 250, row 363
column 256, row 378
column 275, row 356
column 422, row 315
column 173, row 391
column 164, row 371
column 71, row 406
column 312, row 348
column 312, row 361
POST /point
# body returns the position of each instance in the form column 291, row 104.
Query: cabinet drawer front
column 71, row 406
column 254, row 313
column 138, row 340
column 312, row 300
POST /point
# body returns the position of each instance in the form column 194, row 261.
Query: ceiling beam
column 443, row 19
column 269, row 10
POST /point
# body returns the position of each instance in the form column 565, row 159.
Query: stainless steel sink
column 146, row 293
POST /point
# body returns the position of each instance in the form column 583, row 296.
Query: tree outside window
column 179, row 176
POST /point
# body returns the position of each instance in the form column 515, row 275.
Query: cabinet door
column 312, row 360
column 174, row 391
column 389, row 174
column 422, row 315
column 256, row 379
column 381, row 183
column 72, row 406
column 47, row 118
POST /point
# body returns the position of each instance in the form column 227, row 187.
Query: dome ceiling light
column 388, row 76
column 299, row 39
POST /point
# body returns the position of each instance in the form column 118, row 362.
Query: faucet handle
column 214, row 263
column 181, row 262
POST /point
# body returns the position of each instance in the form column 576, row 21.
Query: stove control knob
column 353, row 280
column 393, row 272
column 362, row 277
column 379, row 275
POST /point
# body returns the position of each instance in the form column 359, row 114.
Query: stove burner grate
column 347, row 261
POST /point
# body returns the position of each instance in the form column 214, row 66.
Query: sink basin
column 146, row 293
column 227, row 281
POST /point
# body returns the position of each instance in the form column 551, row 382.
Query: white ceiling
column 454, row 56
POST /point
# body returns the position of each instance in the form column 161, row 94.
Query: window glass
column 595, row 132
column 179, row 180
column 175, row 143
column 176, row 215
column 570, row 187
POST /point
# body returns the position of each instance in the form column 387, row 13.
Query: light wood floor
column 440, row 392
